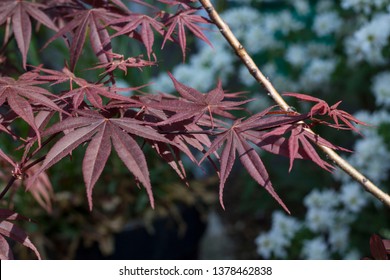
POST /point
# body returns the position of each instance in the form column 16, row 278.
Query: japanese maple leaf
column 184, row 19
column 102, row 133
column 237, row 139
column 195, row 104
column 90, row 21
column 322, row 108
column 18, row 13
column 10, row 230
column 21, row 94
column 41, row 189
column 93, row 93
column 299, row 145
column 133, row 22
column 233, row 143
column 84, row 89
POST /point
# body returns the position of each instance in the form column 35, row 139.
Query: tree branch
column 258, row 75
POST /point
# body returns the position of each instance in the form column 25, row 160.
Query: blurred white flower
column 326, row 23
column 315, row 249
column 368, row 41
column 286, row 225
column 320, row 219
column 264, row 245
column 373, row 120
column 271, row 244
column 344, row 217
column 325, row 199
column 381, row 88
column 353, row 197
column 297, row 55
column 338, row 239
column 365, row 6
column 215, row 63
column 317, row 73
column 372, row 156
column 200, row 79
column 288, row 23
column 257, row 39
column 241, row 19
column 301, row 6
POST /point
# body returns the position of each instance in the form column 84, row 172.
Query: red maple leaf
column 18, row 13
column 187, row 19
column 102, row 132
column 322, row 108
column 137, row 24
column 83, row 22
column 22, row 94
column 195, row 104
column 10, row 230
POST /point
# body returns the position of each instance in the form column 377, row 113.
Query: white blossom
column 297, row 55
column 371, row 156
column 368, row 41
column 301, row 6
column 257, row 39
column 381, row 88
column 374, row 120
column 320, row 219
column 271, row 244
column 326, row 23
column 338, row 239
column 241, row 19
column 365, row 6
column 353, row 197
column 202, row 81
column 315, row 249
column 286, row 225
column 325, row 199
column 317, row 73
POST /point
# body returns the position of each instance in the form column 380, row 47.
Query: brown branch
column 258, row 75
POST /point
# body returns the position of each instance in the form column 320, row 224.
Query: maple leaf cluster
column 97, row 115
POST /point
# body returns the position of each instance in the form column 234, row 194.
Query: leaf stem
column 258, row 75
column 7, row 187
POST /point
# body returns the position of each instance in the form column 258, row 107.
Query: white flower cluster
column 381, row 88
column 371, row 156
column 317, row 73
column 365, row 6
column 276, row 241
column 326, row 23
column 328, row 217
column 368, row 42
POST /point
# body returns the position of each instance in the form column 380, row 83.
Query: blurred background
column 333, row 50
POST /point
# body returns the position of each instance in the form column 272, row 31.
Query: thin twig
column 258, row 75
